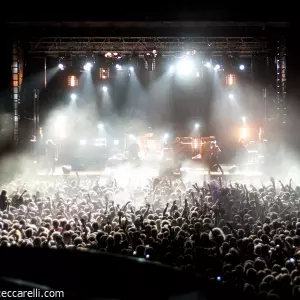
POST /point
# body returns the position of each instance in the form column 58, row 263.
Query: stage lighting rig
column 73, row 96
column 88, row 66
column 104, row 73
column 72, row 81
column 207, row 65
column 108, row 55
column 89, row 62
column 193, row 52
column 230, row 79
column 112, row 55
column 61, row 66
column 61, row 63
column 119, row 67
column 217, row 67
column 150, row 60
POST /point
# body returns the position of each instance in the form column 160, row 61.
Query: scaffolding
column 61, row 43
column 166, row 46
column 16, row 72
column 281, row 80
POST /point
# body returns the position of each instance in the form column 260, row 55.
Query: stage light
column 185, row 66
column 100, row 126
column 116, row 142
column 108, row 55
column 104, row 89
column 82, row 142
column 243, row 133
column 88, row 66
column 217, row 67
column 131, row 69
column 197, row 126
column 171, row 69
column 119, row 67
column 73, row 96
column 207, row 64
column 72, row 81
column 104, row 73
column 230, row 79
column 231, row 96
column 61, row 66
column 244, row 119
column 166, row 136
column 242, row 67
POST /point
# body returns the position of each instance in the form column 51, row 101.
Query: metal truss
column 167, row 46
column 16, row 88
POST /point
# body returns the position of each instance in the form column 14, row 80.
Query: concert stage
column 127, row 173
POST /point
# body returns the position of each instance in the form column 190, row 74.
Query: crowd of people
column 245, row 237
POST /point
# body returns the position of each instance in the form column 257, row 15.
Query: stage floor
column 129, row 171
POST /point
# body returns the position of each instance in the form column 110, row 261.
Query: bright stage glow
column 100, row 126
column 231, row 96
column 217, row 67
column 104, row 89
column 242, row 67
column 244, row 119
column 166, row 136
column 116, row 142
column 244, row 133
column 131, row 69
column 73, row 96
column 88, row 66
column 197, row 126
column 207, row 65
column 82, row 142
column 171, row 69
column 60, row 127
column 61, row 66
column 185, row 66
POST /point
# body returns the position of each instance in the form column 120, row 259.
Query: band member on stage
column 214, row 158
column 133, row 151
column 242, row 151
column 51, row 156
